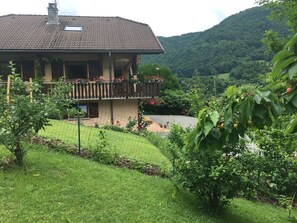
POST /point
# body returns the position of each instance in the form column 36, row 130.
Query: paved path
column 184, row 121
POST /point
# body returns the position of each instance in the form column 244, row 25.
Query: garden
column 238, row 164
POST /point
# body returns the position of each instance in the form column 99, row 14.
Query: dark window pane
column 117, row 73
column 94, row 69
column 57, row 70
column 4, row 70
column 76, row 70
column 28, row 70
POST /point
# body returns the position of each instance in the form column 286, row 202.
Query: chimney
column 52, row 13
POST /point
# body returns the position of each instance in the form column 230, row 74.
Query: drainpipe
column 110, row 79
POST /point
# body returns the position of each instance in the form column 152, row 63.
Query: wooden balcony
column 113, row 90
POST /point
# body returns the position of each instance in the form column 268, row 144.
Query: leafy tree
column 173, row 102
column 210, row 152
column 170, row 81
column 249, row 72
column 25, row 110
column 273, row 42
column 283, row 10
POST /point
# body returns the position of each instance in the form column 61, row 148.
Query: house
column 99, row 56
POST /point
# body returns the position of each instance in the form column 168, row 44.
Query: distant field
column 125, row 144
column 224, row 76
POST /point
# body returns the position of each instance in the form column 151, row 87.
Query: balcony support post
column 110, row 88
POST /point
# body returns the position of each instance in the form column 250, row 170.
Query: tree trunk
column 214, row 201
column 19, row 154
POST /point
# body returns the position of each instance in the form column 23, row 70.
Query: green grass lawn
column 63, row 188
column 125, row 144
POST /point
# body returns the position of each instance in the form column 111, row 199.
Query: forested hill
column 231, row 43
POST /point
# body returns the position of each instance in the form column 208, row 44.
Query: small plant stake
column 78, row 127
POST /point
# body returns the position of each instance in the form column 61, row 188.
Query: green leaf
column 258, row 98
column 241, row 130
column 260, row 111
column 198, row 137
column 216, row 133
column 201, row 112
column 214, row 117
column 245, row 109
column 294, row 101
column 292, row 127
column 292, row 70
column 231, row 91
column 208, row 126
column 265, row 93
column 281, row 56
column 291, row 43
column 282, row 64
column 267, row 99
column 277, row 109
column 233, row 137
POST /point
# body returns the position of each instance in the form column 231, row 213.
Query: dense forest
column 233, row 46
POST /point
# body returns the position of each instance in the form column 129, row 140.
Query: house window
column 90, row 110
column 117, row 73
column 73, row 28
column 95, row 69
column 5, row 70
column 57, row 70
column 28, row 70
column 76, row 70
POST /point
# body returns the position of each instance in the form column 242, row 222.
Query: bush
column 214, row 176
column 173, row 102
column 101, row 154
column 272, row 172
column 131, row 124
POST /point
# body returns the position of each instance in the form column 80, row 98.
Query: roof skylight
column 73, row 28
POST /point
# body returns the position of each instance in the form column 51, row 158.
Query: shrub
column 272, row 173
column 131, row 124
column 101, row 154
column 214, row 176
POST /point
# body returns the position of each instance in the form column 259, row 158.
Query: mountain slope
column 234, row 41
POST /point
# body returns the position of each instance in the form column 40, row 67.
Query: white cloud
column 166, row 17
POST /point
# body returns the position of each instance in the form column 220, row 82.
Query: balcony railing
column 113, row 90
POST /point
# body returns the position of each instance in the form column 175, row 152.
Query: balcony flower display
column 98, row 80
column 153, row 79
column 81, row 81
column 120, row 79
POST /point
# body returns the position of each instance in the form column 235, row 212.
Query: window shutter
column 28, row 70
column 93, row 110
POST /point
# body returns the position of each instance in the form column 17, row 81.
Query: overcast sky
column 165, row 17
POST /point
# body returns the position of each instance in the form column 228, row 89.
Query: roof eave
column 139, row 51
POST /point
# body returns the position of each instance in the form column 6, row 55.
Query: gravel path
column 168, row 120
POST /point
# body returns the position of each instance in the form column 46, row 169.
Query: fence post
column 8, row 90
column 31, row 93
column 78, row 127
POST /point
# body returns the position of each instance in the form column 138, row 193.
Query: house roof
column 31, row 33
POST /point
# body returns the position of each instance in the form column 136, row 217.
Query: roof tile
column 99, row 34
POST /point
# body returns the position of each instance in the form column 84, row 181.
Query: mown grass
column 62, row 188
column 125, row 144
